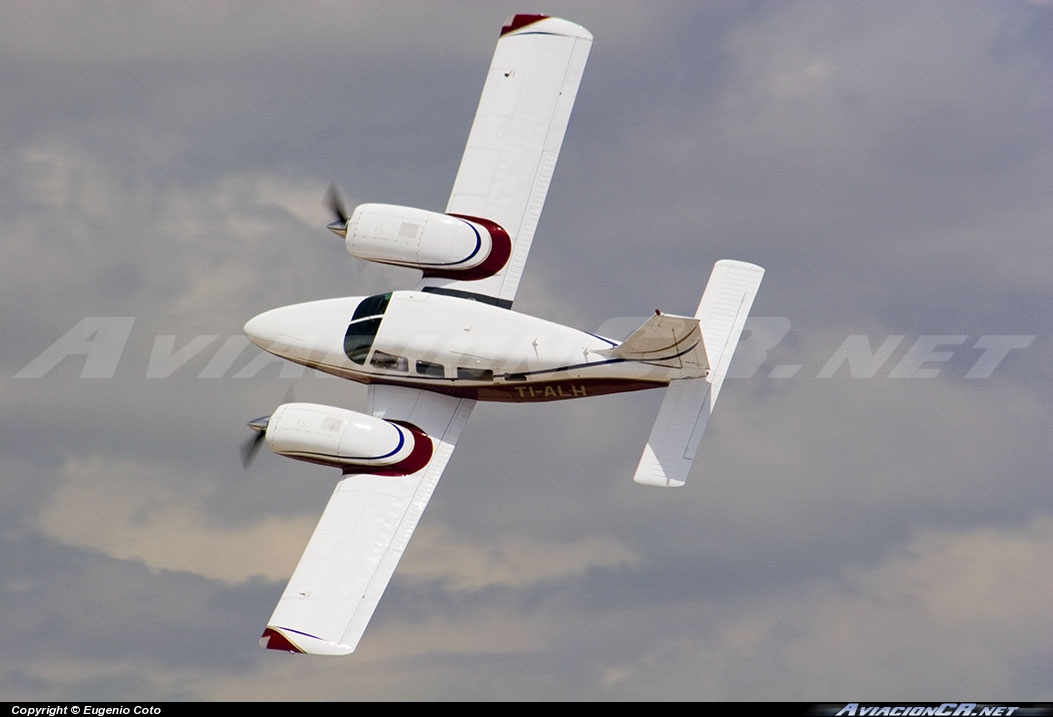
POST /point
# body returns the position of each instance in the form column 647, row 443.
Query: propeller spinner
column 252, row 445
column 335, row 203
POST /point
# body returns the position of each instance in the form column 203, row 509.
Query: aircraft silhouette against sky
column 428, row 354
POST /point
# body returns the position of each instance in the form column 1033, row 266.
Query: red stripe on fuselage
column 528, row 392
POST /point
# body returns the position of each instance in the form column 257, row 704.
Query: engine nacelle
column 442, row 245
column 352, row 441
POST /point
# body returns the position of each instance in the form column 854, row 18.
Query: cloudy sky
column 872, row 513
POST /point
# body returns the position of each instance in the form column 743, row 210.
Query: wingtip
column 519, row 21
column 275, row 638
column 271, row 639
column 553, row 25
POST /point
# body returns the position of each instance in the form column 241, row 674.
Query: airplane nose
column 262, row 330
column 312, row 331
column 276, row 331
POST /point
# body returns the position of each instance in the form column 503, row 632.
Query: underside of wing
column 513, row 145
column 363, row 533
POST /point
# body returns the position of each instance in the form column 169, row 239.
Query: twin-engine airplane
column 428, row 354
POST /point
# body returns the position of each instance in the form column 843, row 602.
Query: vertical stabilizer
column 670, row 451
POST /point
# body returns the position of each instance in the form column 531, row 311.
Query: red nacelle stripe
column 415, row 461
column 500, row 251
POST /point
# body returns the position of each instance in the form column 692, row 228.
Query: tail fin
column 666, row 340
column 688, row 402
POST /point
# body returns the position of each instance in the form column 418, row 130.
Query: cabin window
column 475, row 374
column 389, row 362
column 427, row 368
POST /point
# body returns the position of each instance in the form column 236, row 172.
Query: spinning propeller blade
column 335, row 202
column 252, row 445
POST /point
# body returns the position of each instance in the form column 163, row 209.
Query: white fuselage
column 452, row 345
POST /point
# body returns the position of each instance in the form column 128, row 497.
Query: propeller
column 252, row 445
column 335, row 202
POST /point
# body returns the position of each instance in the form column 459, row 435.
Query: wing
column 515, row 140
column 362, row 534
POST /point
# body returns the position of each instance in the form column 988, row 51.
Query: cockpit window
column 372, row 306
column 359, row 338
column 364, row 326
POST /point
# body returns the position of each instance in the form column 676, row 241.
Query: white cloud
column 509, row 561
column 136, row 511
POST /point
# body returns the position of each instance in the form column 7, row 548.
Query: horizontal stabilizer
column 723, row 311
column 684, row 413
column 670, row 451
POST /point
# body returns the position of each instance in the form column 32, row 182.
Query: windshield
column 364, row 326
